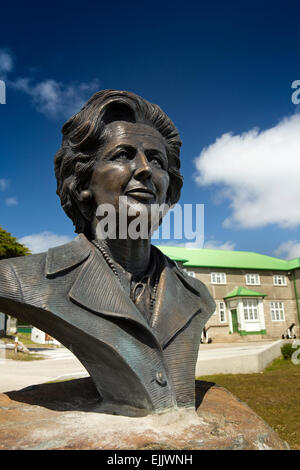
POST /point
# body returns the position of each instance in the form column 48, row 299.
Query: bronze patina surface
column 129, row 314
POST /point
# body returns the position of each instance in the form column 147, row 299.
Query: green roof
column 175, row 258
column 294, row 263
column 243, row 292
column 202, row 257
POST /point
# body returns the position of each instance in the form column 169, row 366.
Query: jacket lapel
column 97, row 289
column 176, row 304
column 70, row 255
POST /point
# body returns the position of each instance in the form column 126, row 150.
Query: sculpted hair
column 83, row 136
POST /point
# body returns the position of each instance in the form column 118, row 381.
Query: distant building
column 2, row 324
column 257, row 296
column 8, row 324
column 38, row 336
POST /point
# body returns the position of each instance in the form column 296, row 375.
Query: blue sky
column 215, row 68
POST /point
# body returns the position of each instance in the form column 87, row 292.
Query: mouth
column 143, row 194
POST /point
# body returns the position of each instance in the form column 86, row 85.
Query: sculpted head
column 118, row 144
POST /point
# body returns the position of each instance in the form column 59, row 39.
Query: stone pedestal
column 66, row 416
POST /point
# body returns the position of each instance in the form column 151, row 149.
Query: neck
column 132, row 255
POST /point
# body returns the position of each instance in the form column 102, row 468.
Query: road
column 61, row 363
column 217, row 350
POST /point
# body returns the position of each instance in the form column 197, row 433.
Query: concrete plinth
column 66, row 416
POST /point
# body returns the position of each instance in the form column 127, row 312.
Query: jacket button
column 160, row 379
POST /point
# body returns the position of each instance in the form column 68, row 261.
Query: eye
column 123, row 155
column 157, row 159
column 156, row 162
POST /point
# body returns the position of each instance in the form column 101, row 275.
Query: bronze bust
column 129, row 314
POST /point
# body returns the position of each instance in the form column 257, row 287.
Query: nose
column 143, row 169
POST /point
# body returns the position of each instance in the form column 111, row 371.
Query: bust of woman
column 129, row 314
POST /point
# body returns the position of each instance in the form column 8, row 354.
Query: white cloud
column 11, row 201
column 210, row 244
column 195, row 244
column 217, row 245
column 55, row 99
column 288, row 250
column 39, row 242
column 259, row 172
column 6, row 63
column 3, row 184
column 50, row 97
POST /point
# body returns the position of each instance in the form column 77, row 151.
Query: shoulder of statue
column 193, row 284
column 64, row 257
column 22, row 262
column 13, row 270
column 54, row 260
column 171, row 264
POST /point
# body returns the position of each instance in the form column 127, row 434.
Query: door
column 234, row 321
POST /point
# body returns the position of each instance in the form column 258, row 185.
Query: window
column 277, row 311
column 222, row 312
column 190, row 273
column 218, row 278
column 279, row 280
column 252, row 279
column 250, row 307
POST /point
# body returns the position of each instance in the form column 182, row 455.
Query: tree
column 9, row 247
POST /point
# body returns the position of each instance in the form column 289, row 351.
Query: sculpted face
column 133, row 162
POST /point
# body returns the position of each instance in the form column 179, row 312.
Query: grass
column 24, row 338
column 19, row 356
column 273, row 394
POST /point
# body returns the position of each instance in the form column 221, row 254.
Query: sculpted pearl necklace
column 137, row 286
column 107, row 259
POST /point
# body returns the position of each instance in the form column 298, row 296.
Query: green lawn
column 20, row 356
column 24, row 338
column 273, row 394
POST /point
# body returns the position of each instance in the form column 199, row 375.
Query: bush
column 287, row 350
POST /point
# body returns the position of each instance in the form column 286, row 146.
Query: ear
column 85, row 195
column 169, row 197
column 85, row 204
